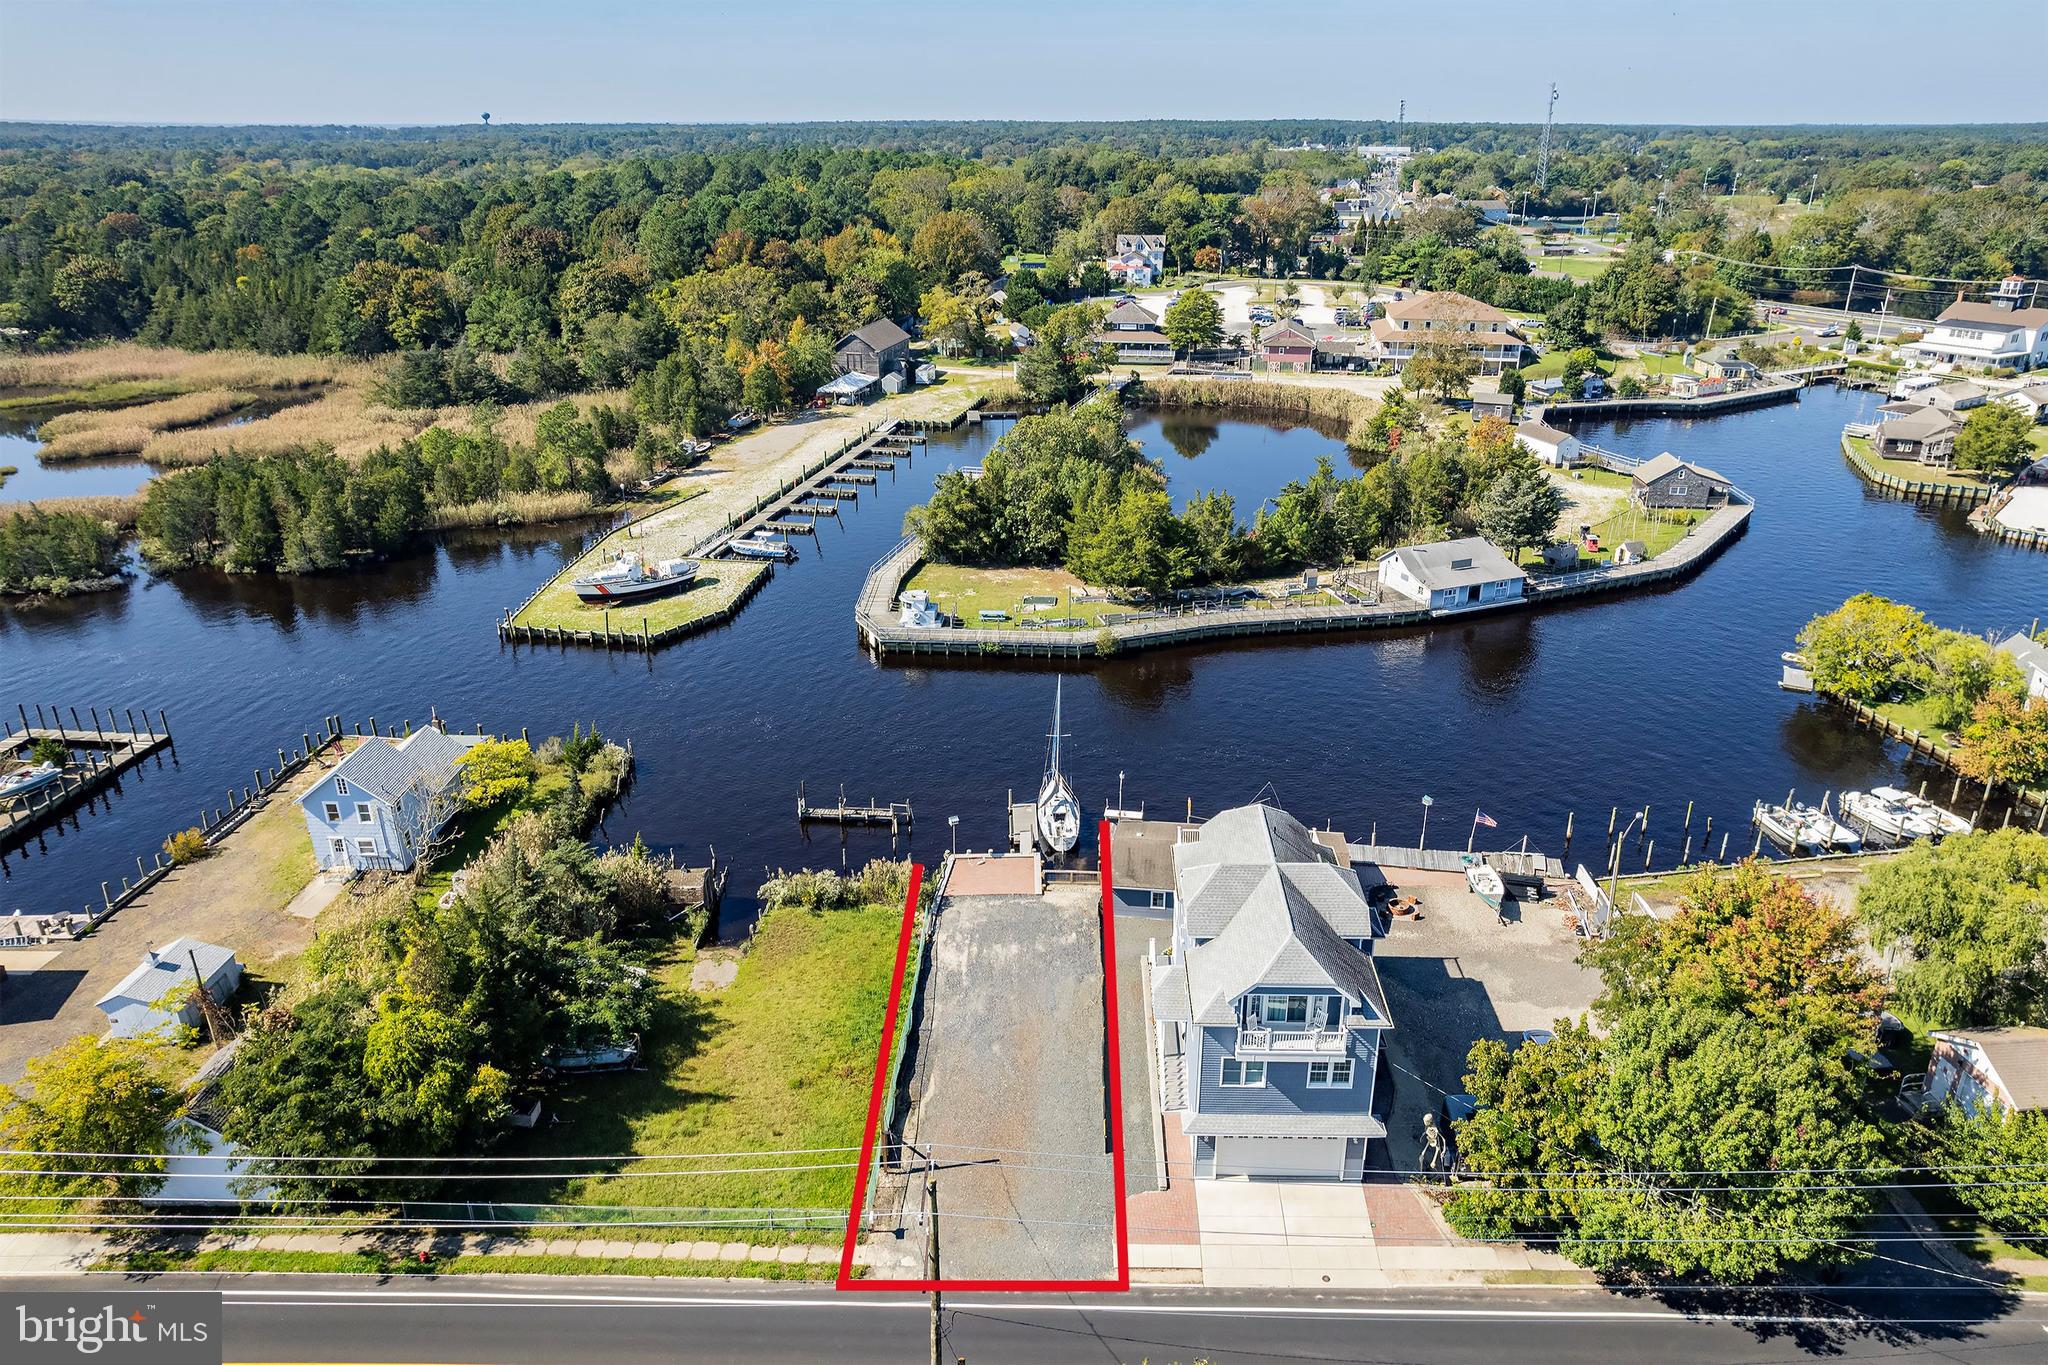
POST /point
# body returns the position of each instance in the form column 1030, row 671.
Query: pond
column 1667, row 697
column 34, row 480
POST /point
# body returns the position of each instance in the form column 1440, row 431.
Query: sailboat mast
column 1054, row 764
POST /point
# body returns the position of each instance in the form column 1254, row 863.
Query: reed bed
column 1347, row 410
column 513, row 509
column 119, row 510
column 133, row 364
column 343, row 419
column 90, row 432
column 515, row 422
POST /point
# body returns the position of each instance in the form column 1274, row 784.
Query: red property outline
column 1122, row 1279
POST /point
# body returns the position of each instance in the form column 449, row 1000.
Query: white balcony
column 1321, row 1040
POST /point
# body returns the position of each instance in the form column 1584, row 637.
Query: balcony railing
column 1319, row 1040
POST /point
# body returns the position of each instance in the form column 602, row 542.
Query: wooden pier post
column 1612, row 815
column 1688, row 817
column 163, row 722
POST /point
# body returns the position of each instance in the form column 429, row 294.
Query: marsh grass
column 343, row 419
column 119, row 510
column 135, row 370
column 513, row 509
column 88, row 432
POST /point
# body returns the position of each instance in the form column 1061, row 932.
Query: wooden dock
column 851, row 476
column 106, row 750
column 888, row 466
column 894, row 814
column 794, row 528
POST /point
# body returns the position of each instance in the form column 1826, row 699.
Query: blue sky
column 444, row 61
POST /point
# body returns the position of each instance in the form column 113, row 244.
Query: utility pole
column 1543, row 147
column 1851, row 295
column 931, row 1251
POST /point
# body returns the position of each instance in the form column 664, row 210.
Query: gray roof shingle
column 1456, row 563
column 387, row 768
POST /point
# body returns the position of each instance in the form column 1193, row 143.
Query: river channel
column 1665, row 698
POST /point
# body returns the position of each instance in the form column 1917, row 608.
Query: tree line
column 43, row 551
column 1068, row 488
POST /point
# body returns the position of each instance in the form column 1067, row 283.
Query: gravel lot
column 1010, row 1091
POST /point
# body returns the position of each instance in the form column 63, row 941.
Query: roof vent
column 1461, row 563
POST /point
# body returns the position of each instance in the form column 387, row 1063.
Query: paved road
column 534, row 1319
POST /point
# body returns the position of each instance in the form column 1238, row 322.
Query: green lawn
column 1663, row 365
column 1578, row 267
column 1600, row 477
column 1916, row 714
column 780, row 1060
column 1659, row 530
column 1912, row 471
column 963, row 593
column 1551, row 366
column 719, row 583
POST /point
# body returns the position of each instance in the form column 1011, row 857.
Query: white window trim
column 363, row 812
column 1329, row 1072
column 1158, row 900
column 366, row 847
column 1244, row 1069
column 341, row 786
column 333, row 812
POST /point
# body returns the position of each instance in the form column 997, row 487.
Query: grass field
column 779, row 1061
column 1578, row 267
column 718, row 584
column 1912, row 471
column 963, row 593
column 1551, row 366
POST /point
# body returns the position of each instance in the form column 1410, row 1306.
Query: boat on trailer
column 1059, row 814
column 630, row 580
column 1485, row 882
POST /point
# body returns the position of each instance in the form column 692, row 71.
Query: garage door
column 1301, row 1158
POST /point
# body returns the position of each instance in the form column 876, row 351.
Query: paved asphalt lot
column 1010, row 1088
column 636, row 1321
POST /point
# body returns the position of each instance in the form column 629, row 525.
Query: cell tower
column 1543, row 147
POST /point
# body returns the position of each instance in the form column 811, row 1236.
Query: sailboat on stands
column 1059, row 814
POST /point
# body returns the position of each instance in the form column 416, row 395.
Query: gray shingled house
column 878, row 348
column 1270, row 1012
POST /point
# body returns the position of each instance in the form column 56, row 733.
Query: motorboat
column 762, row 545
column 1485, row 882
column 1937, row 823
column 1883, row 817
column 629, row 580
column 1798, row 827
column 1059, row 814
column 23, row 781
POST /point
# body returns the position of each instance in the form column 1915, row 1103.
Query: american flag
column 1482, row 818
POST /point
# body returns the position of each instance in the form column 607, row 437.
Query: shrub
column 48, row 750
column 185, row 846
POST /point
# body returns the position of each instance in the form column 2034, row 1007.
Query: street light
column 1427, row 802
column 1614, row 868
column 953, row 822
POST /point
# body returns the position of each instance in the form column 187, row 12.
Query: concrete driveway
column 1010, row 1101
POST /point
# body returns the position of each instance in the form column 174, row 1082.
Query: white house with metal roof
column 382, row 805
column 2032, row 657
column 1270, row 1013
column 1548, row 444
column 140, row 1004
column 1452, row 575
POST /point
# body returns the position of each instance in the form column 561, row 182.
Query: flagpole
column 1473, row 837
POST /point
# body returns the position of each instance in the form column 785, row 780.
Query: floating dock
column 107, row 751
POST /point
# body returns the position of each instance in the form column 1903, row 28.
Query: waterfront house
column 2003, row 1068
column 1960, row 396
column 1288, row 348
column 2032, row 657
column 1134, row 331
column 1485, row 333
column 1491, row 402
column 2031, row 400
column 1734, row 372
column 157, row 995
column 383, row 805
column 1926, row 434
column 1452, row 575
column 1141, row 864
column 1995, row 335
column 877, row 349
column 1548, row 444
column 1668, row 481
column 1270, row 1014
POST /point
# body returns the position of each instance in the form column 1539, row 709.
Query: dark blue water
column 1664, row 698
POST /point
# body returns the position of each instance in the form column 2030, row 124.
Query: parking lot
column 1454, row 976
column 1009, row 1095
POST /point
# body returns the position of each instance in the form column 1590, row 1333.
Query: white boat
column 1935, row 822
column 1799, row 828
column 34, row 778
column 762, row 545
column 629, row 580
column 1059, row 814
column 1829, row 834
column 1782, row 827
column 1880, row 816
column 1484, row 882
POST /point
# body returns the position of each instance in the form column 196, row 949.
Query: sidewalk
column 46, row 1253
